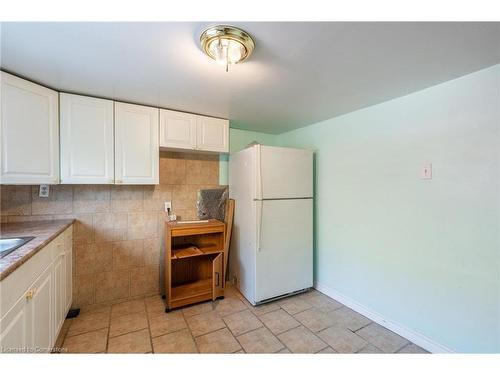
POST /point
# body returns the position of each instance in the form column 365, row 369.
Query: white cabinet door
column 40, row 309
column 87, row 140
column 177, row 130
column 29, row 132
column 136, row 144
column 13, row 328
column 212, row 134
column 59, row 293
column 68, row 278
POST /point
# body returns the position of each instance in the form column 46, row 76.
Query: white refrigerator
column 271, row 252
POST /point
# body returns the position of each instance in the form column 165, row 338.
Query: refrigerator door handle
column 259, row 207
column 258, row 172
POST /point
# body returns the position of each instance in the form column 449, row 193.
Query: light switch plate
column 426, row 172
column 44, row 191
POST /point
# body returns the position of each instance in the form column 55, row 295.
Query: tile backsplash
column 118, row 238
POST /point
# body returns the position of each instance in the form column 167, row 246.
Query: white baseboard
column 401, row 330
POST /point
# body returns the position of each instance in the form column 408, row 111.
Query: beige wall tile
column 155, row 197
column 172, row 169
column 15, row 200
column 83, row 229
column 144, row 280
column 91, row 198
column 190, row 214
column 111, row 285
column 84, row 290
column 152, row 249
column 142, row 225
column 60, row 201
column 103, row 257
column 85, row 259
column 121, row 253
column 110, row 220
column 126, row 198
column 202, row 170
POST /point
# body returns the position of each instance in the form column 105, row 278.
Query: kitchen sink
column 8, row 245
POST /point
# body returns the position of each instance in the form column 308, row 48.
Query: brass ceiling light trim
column 227, row 44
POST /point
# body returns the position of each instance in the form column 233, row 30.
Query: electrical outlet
column 44, row 191
column 168, row 206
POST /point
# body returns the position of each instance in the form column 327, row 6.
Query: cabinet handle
column 30, row 294
column 217, row 279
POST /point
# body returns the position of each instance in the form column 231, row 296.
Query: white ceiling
column 300, row 73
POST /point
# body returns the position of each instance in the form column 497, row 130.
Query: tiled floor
column 307, row 323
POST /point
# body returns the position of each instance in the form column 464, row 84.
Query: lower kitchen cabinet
column 40, row 311
column 14, row 328
column 32, row 323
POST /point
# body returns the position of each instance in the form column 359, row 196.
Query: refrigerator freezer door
column 284, row 259
column 284, row 173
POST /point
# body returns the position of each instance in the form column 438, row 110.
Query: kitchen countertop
column 43, row 231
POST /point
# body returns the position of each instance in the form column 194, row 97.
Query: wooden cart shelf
column 183, row 252
column 194, row 262
column 195, row 289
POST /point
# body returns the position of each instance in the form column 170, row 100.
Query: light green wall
column 423, row 253
column 238, row 140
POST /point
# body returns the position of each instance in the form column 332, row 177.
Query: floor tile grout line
column 404, row 346
column 276, row 335
column 149, row 327
column 310, row 330
column 109, row 328
column 191, row 332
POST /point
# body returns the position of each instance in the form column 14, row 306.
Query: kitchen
column 310, row 242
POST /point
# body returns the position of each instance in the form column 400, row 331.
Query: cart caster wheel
column 167, row 310
column 221, row 297
column 164, row 297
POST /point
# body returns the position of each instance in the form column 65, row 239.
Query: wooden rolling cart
column 194, row 262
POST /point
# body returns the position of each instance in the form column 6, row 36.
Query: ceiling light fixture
column 226, row 44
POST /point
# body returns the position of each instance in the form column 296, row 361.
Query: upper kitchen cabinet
column 177, row 130
column 185, row 131
column 212, row 134
column 136, row 144
column 29, row 132
column 87, row 140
